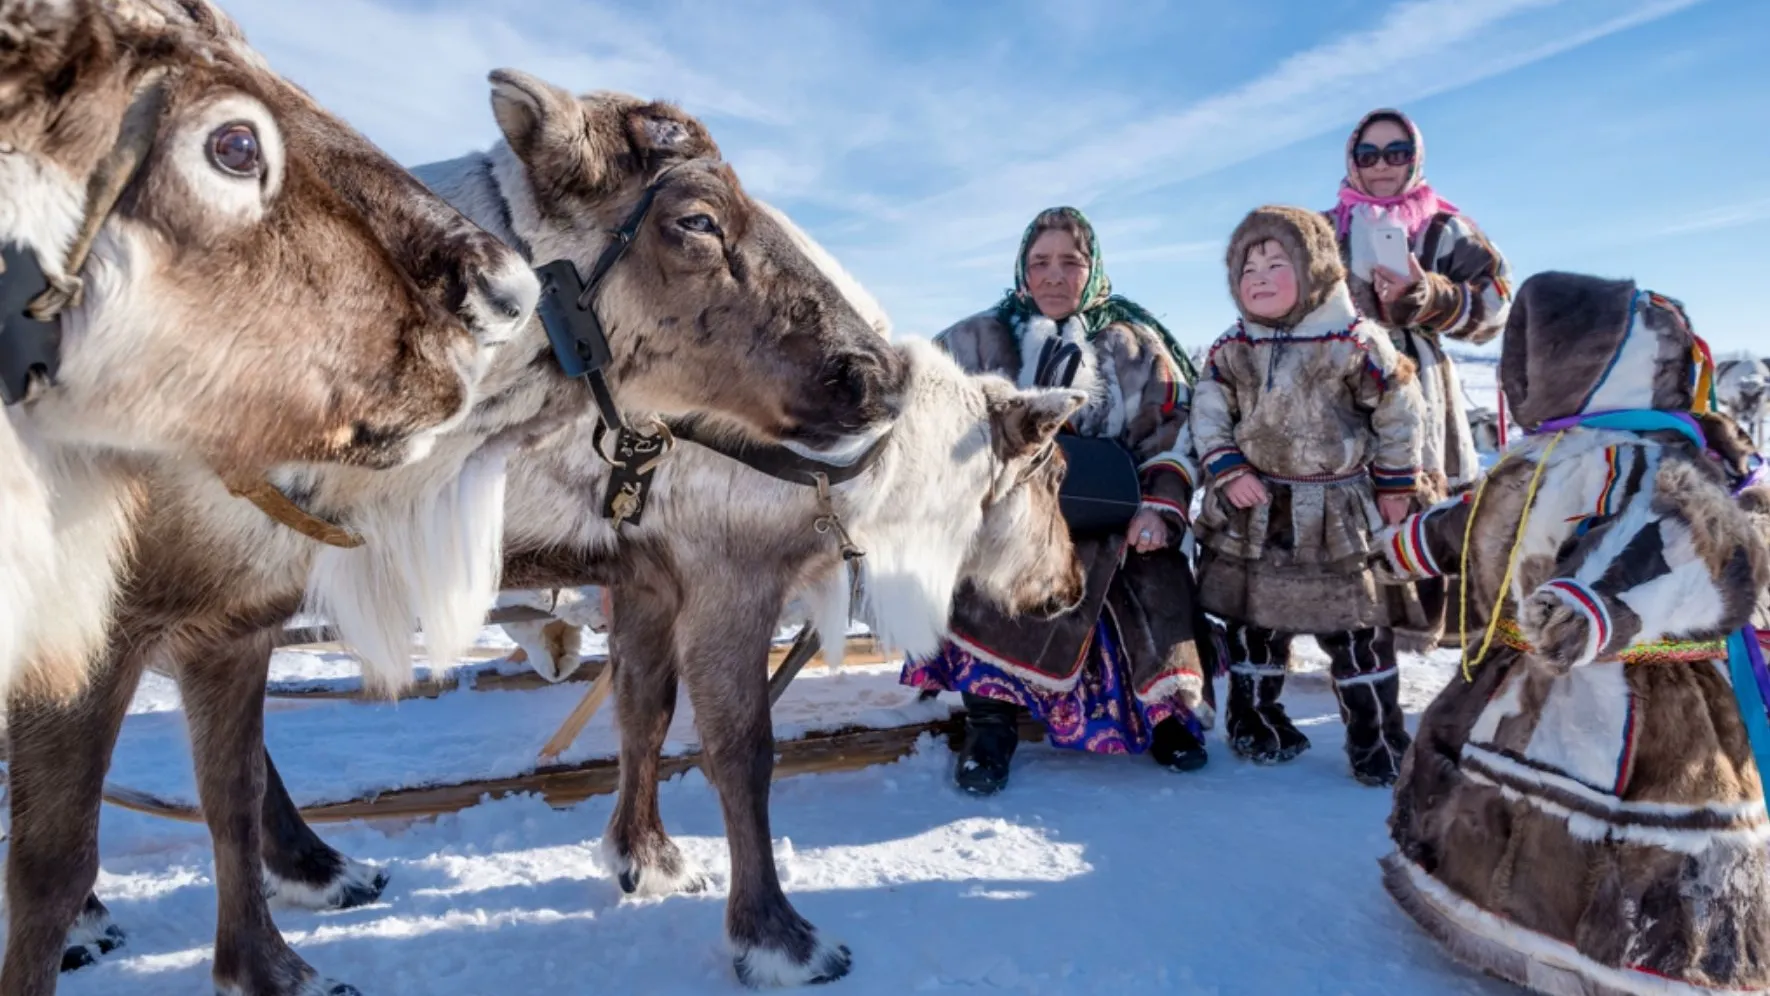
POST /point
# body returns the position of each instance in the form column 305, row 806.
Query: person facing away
column 1582, row 810
column 1307, row 420
column 1456, row 285
column 1122, row 673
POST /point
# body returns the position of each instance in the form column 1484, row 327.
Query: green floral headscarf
column 1100, row 306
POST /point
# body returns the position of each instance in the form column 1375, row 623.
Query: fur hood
column 1308, row 241
column 1577, row 344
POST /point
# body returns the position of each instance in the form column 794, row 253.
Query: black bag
column 1101, row 491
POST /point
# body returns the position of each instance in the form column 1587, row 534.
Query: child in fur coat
column 1308, row 423
column 1582, row 810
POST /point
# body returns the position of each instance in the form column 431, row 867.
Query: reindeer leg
column 301, row 871
column 60, row 753
column 636, row 845
column 724, row 655
column 223, row 688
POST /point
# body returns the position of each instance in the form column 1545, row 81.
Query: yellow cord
column 1493, row 619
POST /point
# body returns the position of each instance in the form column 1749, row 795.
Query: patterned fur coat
column 1328, row 415
column 1581, row 818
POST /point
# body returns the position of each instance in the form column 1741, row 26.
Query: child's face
column 1268, row 282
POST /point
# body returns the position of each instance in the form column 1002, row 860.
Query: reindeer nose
column 504, row 295
column 873, row 382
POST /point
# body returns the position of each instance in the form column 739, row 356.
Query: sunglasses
column 1395, row 154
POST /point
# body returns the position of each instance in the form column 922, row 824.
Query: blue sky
column 915, row 138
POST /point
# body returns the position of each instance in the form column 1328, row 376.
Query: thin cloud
column 917, row 167
column 1731, row 216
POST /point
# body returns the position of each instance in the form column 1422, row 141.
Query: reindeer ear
column 33, row 34
column 661, row 131
column 1022, row 422
column 528, row 109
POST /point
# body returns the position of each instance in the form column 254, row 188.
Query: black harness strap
column 776, row 461
column 580, row 343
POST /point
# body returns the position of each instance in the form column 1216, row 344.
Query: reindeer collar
column 279, row 507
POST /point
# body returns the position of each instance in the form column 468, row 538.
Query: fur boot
column 1367, row 685
column 1257, row 725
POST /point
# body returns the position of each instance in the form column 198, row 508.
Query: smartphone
column 1389, row 246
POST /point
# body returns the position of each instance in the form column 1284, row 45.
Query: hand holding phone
column 1389, row 245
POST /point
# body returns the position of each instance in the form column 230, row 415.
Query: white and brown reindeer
column 1742, row 386
column 712, row 302
column 192, row 275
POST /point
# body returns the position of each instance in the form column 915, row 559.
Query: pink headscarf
column 1414, row 206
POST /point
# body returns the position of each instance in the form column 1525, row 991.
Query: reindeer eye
column 233, row 148
column 703, row 224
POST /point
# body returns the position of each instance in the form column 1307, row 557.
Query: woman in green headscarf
column 1122, row 673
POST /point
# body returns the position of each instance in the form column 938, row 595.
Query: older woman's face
column 1056, row 272
column 1384, row 179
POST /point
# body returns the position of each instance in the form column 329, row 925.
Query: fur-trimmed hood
column 1308, row 241
column 1576, row 344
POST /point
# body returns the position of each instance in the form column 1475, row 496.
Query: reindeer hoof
column 355, row 894
column 667, row 872
column 92, row 938
column 355, row 884
column 769, row 968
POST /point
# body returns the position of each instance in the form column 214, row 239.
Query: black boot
column 1256, row 724
column 1173, row 746
column 1258, row 727
column 1370, row 703
column 992, row 732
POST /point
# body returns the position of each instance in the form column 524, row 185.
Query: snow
column 1090, row 874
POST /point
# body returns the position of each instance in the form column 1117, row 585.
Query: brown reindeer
column 707, row 277
column 963, row 491
column 235, row 285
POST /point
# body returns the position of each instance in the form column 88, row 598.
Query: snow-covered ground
column 1089, row 875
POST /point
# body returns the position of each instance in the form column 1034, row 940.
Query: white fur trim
column 1367, row 679
column 1629, row 381
column 1025, row 674
column 1754, row 829
column 1557, row 968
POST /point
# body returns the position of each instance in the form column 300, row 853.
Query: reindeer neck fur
column 715, row 515
column 69, row 517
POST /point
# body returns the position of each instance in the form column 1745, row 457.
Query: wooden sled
column 564, row 785
column 860, row 650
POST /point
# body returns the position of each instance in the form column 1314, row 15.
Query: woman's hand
column 1391, row 286
column 1393, row 507
column 608, row 606
column 1148, row 532
column 1246, row 491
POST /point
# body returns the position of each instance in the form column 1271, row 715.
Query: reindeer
column 698, row 585
column 198, row 270
column 1743, row 387
column 708, row 283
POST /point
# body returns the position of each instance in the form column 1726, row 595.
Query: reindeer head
column 265, row 286
column 1023, row 558
column 717, row 305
